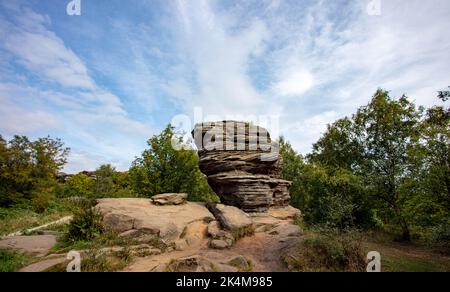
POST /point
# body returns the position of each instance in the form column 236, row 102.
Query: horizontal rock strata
column 242, row 165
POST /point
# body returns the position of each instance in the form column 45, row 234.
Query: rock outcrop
column 242, row 165
column 141, row 218
column 170, row 199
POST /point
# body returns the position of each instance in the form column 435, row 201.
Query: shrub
column 441, row 234
column 86, row 225
column 11, row 261
column 331, row 250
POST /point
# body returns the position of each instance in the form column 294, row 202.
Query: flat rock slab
column 38, row 244
column 230, row 217
column 43, row 265
column 285, row 213
column 170, row 199
column 141, row 214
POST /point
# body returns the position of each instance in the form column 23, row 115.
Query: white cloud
column 218, row 57
column 65, row 101
column 296, row 83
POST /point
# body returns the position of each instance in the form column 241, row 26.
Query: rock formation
column 242, row 165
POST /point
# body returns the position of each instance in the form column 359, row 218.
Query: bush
column 441, row 234
column 86, row 225
column 11, row 261
column 332, row 250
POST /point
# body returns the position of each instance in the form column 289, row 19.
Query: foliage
column 28, row 170
column 87, row 224
column 19, row 218
column 330, row 250
column 78, row 185
column 441, row 234
column 389, row 164
column 11, row 260
column 163, row 169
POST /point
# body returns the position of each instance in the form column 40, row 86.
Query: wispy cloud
column 111, row 78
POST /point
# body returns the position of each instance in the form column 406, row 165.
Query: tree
column 79, row 185
column 389, row 131
column 444, row 95
column 163, row 169
column 104, row 181
column 28, row 170
column 339, row 147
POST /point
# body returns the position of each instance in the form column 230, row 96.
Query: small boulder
column 240, row 262
column 180, row 244
column 285, row 213
column 218, row 244
column 170, row 199
column 230, row 217
column 193, row 263
column 213, row 229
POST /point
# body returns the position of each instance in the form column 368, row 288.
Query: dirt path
column 38, row 245
column 263, row 250
column 61, row 221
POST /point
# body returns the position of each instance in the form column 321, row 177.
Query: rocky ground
column 204, row 237
column 195, row 236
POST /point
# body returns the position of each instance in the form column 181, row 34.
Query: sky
column 107, row 80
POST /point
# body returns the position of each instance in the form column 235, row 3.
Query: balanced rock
column 242, row 165
column 169, row 199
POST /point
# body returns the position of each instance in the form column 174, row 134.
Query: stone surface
column 193, row 263
column 166, row 222
column 44, row 265
column 37, row 244
column 230, row 218
column 170, row 199
column 242, row 165
column 218, row 244
column 239, row 262
column 285, row 213
column 286, row 230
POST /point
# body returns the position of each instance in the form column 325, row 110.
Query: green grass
column 13, row 220
column 413, row 264
column 12, row 261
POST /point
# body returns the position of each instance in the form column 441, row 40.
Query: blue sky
column 111, row 78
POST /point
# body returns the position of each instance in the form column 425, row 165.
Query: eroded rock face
column 242, row 165
column 142, row 218
column 170, row 199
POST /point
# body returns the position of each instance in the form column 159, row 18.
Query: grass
column 329, row 251
column 21, row 219
column 12, row 261
column 416, row 256
column 413, row 264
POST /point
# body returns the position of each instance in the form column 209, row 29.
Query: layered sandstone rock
column 242, row 165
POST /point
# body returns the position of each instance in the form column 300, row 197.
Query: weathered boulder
column 170, row 199
column 231, row 218
column 166, row 222
column 242, row 165
column 193, row 263
column 240, row 262
column 218, row 244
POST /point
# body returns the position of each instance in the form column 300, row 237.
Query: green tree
column 104, row 181
column 389, row 131
column 163, row 169
column 79, row 185
column 28, row 170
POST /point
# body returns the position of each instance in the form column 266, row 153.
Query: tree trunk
column 406, row 235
